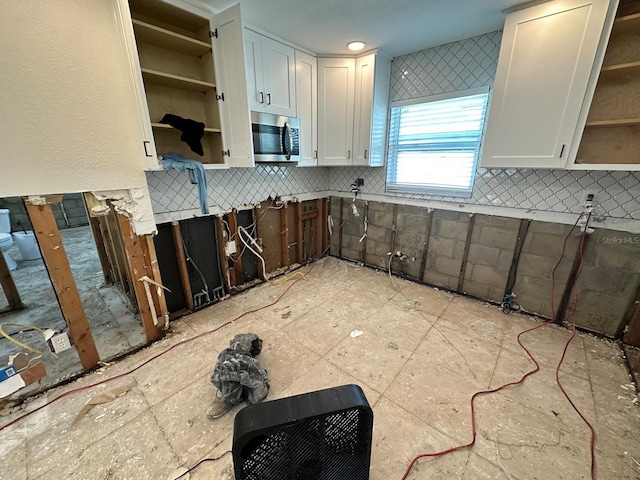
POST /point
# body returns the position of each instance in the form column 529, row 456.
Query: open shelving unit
column 612, row 130
column 176, row 62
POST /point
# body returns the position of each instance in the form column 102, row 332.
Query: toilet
column 6, row 240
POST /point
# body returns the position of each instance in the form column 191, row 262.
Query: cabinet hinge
column 226, row 153
column 220, row 97
column 213, row 34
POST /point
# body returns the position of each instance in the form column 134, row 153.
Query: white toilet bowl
column 6, row 241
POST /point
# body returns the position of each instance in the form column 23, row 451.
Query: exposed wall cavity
column 476, row 254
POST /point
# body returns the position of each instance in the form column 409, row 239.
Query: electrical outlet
column 589, row 198
column 230, row 248
column 60, row 342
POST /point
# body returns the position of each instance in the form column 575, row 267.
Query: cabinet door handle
column 268, row 99
column 261, row 97
column 348, row 154
column 146, row 143
column 365, row 153
column 315, row 154
column 562, row 150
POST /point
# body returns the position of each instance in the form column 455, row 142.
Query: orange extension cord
column 573, row 334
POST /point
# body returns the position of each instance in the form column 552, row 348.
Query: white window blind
column 434, row 145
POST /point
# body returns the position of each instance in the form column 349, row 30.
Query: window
column 434, row 143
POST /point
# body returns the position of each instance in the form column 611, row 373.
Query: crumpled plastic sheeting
column 237, row 374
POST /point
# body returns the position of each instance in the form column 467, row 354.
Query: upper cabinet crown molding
column 546, row 59
column 271, row 75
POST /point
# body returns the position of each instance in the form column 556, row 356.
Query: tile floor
column 421, row 357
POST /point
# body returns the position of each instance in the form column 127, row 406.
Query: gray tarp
column 237, row 374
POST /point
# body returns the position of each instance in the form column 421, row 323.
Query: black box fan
column 323, row 435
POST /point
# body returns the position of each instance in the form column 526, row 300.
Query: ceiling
column 396, row 27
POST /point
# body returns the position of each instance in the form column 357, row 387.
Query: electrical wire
column 201, row 462
column 529, row 373
column 167, row 350
column 18, row 342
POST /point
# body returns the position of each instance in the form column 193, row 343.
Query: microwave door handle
column 287, row 131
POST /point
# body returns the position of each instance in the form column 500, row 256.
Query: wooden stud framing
column 182, row 265
column 340, row 227
column 284, row 235
column 139, row 266
column 158, row 295
column 522, row 233
column 318, row 228
column 299, row 234
column 238, row 275
column 364, row 241
column 632, row 337
column 222, row 252
column 9, row 286
column 568, row 289
column 120, row 256
column 111, row 253
column 465, row 256
column 57, row 263
column 425, row 249
column 325, row 226
column 94, row 223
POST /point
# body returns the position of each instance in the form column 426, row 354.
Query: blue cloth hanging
column 195, row 170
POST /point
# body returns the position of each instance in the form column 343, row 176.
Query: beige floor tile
column 398, row 436
column 324, row 375
column 369, row 358
column 424, row 299
column 480, row 469
column 183, row 419
column 466, row 355
column 138, row 450
column 478, row 319
column 439, row 397
column 323, row 328
column 606, row 363
column 162, row 378
column 528, row 443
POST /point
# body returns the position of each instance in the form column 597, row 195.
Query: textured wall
column 70, row 121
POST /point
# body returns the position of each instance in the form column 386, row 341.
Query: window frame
column 425, row 189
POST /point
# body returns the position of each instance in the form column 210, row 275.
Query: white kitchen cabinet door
column 545, row 62
column 370, row 112
column 336, row 81
column 228, row 54
column 307, row 107
column 271, row 75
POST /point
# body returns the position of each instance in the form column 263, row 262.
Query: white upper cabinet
column 271, row 75
column 370, row 113
column 545, row 63
column 352, row 110
column 336, row 82
column 307, row 106
column 235, row 121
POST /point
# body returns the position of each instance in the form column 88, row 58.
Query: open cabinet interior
column 177, row 68
column 612, row 132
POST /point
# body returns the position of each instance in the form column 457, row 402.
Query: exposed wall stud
column 236, row 257
column 340, row 229
column 9, row 287
column 57, row 263
column 94, row 223
column 139, row 266
column 522, row 233
column 182, row 265
column 318, row 228
column 299, row 235
column 159, row 298
column 465, row 256
column 284, row 235
column 425, row 249
column 224, row 260
column 568, row 289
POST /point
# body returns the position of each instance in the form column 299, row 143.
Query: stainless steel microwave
column 275, row 138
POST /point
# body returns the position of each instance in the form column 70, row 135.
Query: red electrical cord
column 536, row 369
column 106, row 380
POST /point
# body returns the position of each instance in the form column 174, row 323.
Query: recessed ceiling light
column 355, row 46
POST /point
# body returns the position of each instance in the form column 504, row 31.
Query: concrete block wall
column 73, row 208
column 540, row 253
column 608, row 287
column 446, row 248
column 491, row 250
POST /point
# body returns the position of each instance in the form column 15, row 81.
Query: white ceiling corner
column 396, row 27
